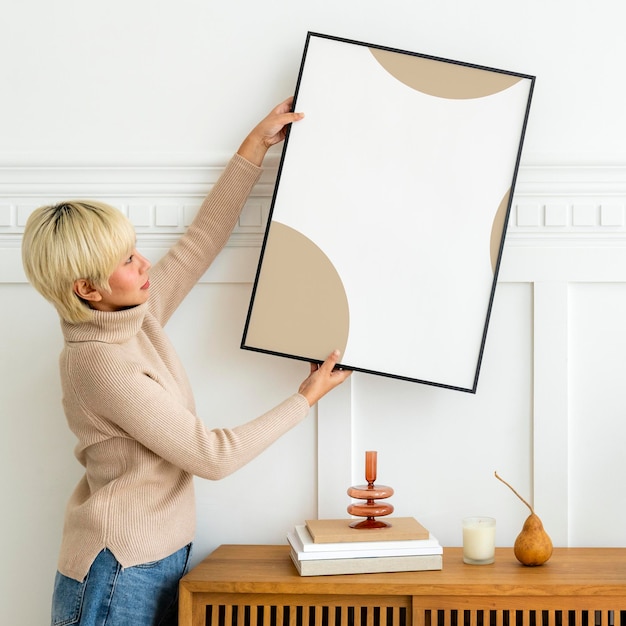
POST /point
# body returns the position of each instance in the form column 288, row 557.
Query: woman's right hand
column 268, row 132
column 323, row 378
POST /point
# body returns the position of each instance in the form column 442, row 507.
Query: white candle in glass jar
column 479, row 540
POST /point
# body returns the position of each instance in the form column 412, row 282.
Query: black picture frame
column 389, row 214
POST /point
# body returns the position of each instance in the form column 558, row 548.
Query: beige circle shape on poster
column 300, row 307
column 443, row 79
column 497, row 230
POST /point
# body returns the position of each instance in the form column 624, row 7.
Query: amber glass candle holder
column 370, row 509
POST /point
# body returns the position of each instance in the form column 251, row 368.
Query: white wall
column 141, row 104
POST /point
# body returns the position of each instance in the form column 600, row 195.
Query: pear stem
column 515, row 492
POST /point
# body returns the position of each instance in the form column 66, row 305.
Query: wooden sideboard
column 254, row 585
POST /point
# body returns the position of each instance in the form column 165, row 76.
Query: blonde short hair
column 74, row 240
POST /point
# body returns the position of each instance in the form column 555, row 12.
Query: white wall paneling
column 548, row 414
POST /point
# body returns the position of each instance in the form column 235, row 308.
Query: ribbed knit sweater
column 129, row 403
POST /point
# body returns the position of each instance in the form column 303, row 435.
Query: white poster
column 389, row 214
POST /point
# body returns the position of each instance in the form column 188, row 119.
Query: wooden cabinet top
column 268, row 569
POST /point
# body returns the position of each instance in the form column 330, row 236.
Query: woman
column 130, row 522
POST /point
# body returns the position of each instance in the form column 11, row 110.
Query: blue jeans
column 144, row 595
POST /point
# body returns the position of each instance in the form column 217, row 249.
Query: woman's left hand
column 268, row 132
column 323, row 378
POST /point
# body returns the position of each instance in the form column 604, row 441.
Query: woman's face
column 129, row 285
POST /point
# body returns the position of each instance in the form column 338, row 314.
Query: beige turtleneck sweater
column 129, row 403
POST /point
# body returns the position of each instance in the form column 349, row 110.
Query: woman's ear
column 86, row 291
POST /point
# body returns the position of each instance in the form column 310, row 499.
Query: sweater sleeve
column 123, row 401
column 178, row 271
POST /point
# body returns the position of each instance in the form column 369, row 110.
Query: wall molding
column 554, row 205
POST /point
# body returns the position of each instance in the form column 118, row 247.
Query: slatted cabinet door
column 519, row 611
column 305, row 610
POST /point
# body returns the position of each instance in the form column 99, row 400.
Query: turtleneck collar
column 107, row 326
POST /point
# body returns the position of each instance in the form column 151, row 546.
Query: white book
column 382, row 564
column 367, row 552
column 308, row 545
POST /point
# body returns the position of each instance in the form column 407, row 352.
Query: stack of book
column 322, row 547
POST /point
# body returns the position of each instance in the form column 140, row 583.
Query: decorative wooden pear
column 533, row 545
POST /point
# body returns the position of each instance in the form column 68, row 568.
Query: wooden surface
column 574, row 578
column 594, row 571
